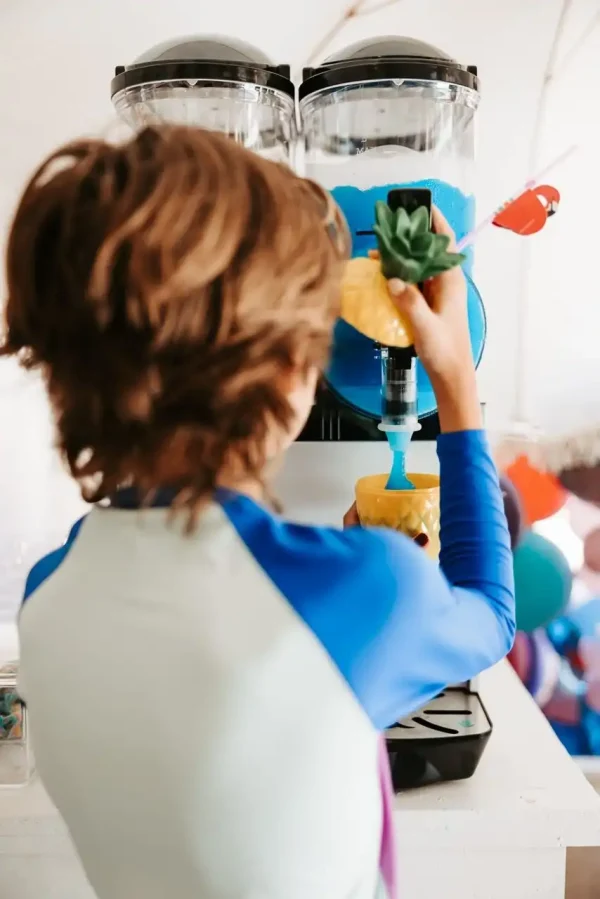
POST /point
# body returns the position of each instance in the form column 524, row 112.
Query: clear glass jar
column 211, row 82
column 256, row 117
column 378, row 136
column 386, row 114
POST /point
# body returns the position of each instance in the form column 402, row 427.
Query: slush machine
column 212, row 82
column 380, row 117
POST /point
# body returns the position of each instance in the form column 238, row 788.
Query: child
column 206, row 682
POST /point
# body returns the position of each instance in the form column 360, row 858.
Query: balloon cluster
column 543, row 578
column 557, row 648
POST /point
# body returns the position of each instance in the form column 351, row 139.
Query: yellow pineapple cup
column 415, row 513
column 367, row 306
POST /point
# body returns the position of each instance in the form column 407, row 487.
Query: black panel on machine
column 332, row 420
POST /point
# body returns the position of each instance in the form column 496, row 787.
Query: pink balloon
column 591, row 579
column 563, row 707
column 591, row 550
column 583, row 517
column 520, row 656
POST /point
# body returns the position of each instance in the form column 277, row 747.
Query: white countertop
column 527, row 791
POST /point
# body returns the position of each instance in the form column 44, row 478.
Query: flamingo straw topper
column 530, row 211
column 526, row 212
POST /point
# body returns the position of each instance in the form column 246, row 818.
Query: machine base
column 442, row 742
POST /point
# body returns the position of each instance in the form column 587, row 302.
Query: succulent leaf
column 384, row 241
column 419, row 222
column 384, row 217
column 422, row 246
column 408, row 249
column 395, row 246
column 401, row 224
column 441, row 242
column 443, row 264
column 411, row 271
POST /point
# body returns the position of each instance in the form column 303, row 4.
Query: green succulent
column 408, row 248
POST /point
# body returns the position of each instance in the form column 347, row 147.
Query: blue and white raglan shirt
column 206, row 710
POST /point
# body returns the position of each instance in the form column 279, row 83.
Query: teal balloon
column 543, row 582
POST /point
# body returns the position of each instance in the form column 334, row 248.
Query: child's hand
column 351, row 519
column 438, row 315
column 440, row 325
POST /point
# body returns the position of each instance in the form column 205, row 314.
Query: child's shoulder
column 348, row 587
column 310, row 561
column 49, row 564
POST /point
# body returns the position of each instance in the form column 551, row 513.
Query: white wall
column 564, row 364
column 55, row 68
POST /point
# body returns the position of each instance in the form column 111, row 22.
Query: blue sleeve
column 475, row 542
column 399, row 627
column 454, row 621
column 47, row 565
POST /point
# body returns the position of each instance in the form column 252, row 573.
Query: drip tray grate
column 454, row 713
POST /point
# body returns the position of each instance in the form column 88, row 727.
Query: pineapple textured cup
column 409, row 250
column 366, row 304
column 413, row 512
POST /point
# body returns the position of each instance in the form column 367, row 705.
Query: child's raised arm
column 398, row 627
column 432, row 626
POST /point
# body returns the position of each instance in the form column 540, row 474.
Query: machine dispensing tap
column 399, row 389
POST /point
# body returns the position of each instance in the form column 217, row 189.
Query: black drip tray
column 442, row 742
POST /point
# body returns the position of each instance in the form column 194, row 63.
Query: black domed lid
column 390, row 45
column 387, row 58
column 203, row 58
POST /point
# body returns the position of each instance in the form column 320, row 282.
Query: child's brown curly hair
column 165, row 288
